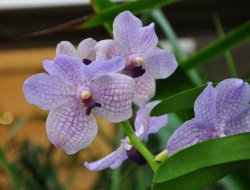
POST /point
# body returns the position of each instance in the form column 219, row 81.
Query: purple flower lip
column 136, row 156
column 133, row 72
column 86, row 61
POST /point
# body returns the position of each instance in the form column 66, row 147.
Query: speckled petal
column 232, row 99
column 145, row 125
column 46, row 91
column 113, row 160
column 190, row 133
column 144, row 89
column 69, row 69
column 86, row 50
column 99, row 68
column 66, row 48
column 159, row 63
column 205, row 105
column 107, row 49
column 114, row 92
column 241, row 124
column 126, row 29
column 146, row 40
column 69, row 128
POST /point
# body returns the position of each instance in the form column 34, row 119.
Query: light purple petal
column 241, row 124
column 66, row 48
column 99, row 68
column 69, row 69
column 69, row 128
column 114, row 92
column 86, row 50
column 156, row 123
column 113, row 160
column 145, row 125
column 107, row 49
column 232, row 99
column 126, row 29
column 146, row 40
column 205, row 105
column 159, row 63
column 144, row 89
column 190, row 133
column 46, row 91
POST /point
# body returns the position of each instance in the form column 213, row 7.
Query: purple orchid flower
column 72, row 90
column 84, row 51
column 144, row 125
column 220, row 111
column 137, row 45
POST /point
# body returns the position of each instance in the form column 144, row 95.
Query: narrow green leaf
column 227, row 54
column 101, row 5
column 8, row 168
column 232, row 39
column 204, row 163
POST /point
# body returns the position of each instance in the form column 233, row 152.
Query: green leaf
column 202, row 164
column 232, row 39
column 99, row 6
column 178, row 102
column 133, row 6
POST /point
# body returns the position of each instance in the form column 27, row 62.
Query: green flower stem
column 139, row 145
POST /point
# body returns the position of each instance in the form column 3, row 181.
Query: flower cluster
column 106, row 77
column 102, row 77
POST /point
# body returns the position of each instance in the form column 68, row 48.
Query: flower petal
column 46, row 91
column 241, row 124
column 146, row 40
column 86, row 49
column 99, row 68
column 69, row 69
column 144, row 89
column 113, row 160
column 66, row 48
column 190, row 133
column 114, row 92
column 205, row 105
column 232, row 99
column 107, row 49
column 145, row 125
column 156, row 123
column 126, row 29
column 69, row 128
column 159, row 63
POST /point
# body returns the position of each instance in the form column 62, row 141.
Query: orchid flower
column 84, row 51
column 220, row 111
column 144, row 125
column 72, row 90
column 144, row 61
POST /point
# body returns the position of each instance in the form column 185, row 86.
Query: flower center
column 134, row 60
column 134, row 66
column 88, row 101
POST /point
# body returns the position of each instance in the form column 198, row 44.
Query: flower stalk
column 136, row 142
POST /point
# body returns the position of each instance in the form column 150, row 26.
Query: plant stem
column 139, row 145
